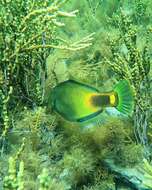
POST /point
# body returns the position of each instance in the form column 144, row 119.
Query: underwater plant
column 131, row 62
column 28, row 34
column 147, row 169
column 15, row 177
column 14, row 180
column 46, row 182
column 58, row 154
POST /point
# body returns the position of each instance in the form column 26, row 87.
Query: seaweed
column 132, row 62
column 147, row 168
column 28, row 35
column 98, row 42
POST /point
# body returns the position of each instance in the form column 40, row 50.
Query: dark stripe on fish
column 89, row 116
column 100, row 100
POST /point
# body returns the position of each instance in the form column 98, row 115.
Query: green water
column 97, row 43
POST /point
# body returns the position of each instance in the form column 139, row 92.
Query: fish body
column 78, row 102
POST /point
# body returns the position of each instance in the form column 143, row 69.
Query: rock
column 132, row 177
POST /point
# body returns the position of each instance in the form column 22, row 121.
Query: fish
column 79, row 102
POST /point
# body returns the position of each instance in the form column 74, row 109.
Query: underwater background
column 96, row 42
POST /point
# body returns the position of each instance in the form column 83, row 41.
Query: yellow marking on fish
column 88, row 101
column 112, row 99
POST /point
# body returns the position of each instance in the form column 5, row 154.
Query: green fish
column 78, row 102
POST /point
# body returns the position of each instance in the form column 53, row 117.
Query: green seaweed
column 147, row 169
column 46, row 42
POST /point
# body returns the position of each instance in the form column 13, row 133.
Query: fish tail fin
column 125, row 97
